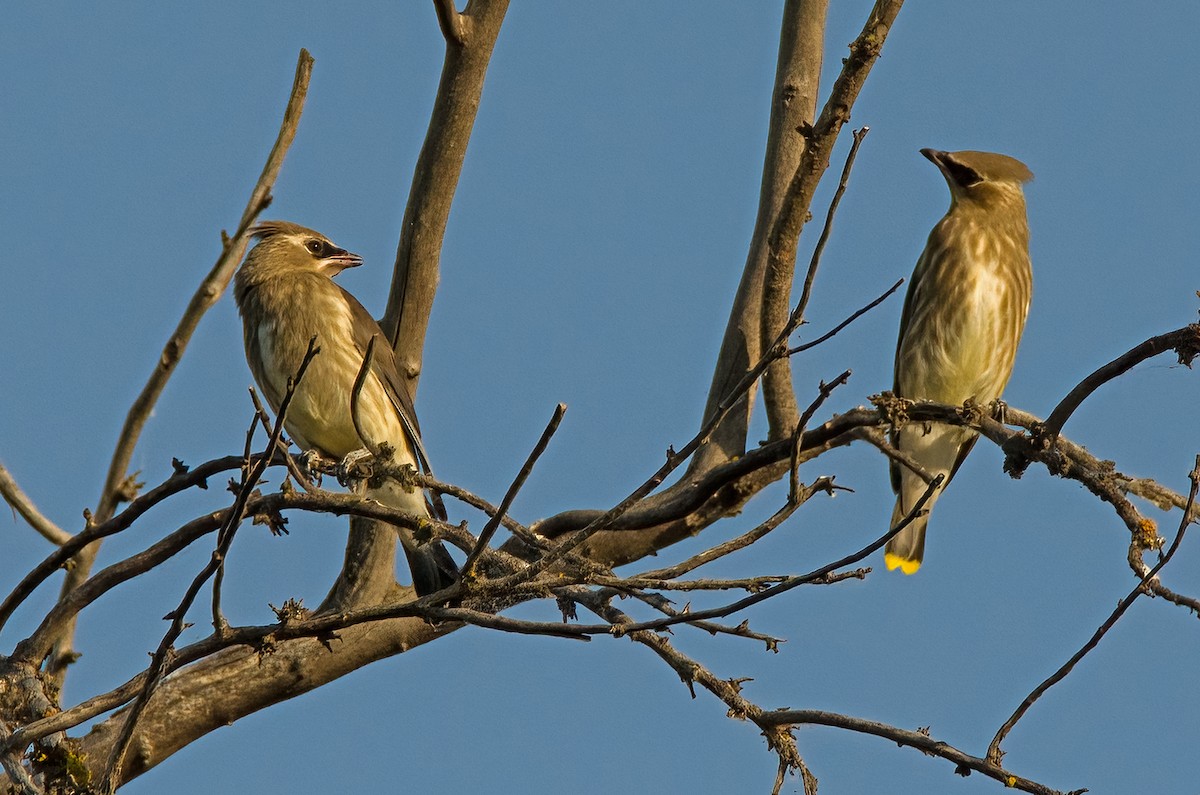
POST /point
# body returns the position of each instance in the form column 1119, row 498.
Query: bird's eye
column 316, row 247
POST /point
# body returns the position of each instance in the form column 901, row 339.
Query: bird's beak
column 935, row 156
column 339, row 262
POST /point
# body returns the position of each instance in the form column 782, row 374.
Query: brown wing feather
column 383, row 365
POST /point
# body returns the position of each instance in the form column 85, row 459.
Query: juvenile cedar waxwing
column 962, row 321
column 286, row 296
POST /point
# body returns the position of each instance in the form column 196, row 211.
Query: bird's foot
column 1000, row 411
column 893, row 408
column 357, row 465
column 312, row 465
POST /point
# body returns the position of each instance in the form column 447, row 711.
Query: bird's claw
column 311, row 465
column 1000, row 411
column 357, row 465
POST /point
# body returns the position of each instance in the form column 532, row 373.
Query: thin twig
column 823, row 393
column 466, row 497
column 779, row 738
column 840, row 326
column 639, row 583
column 994, row 753
column 264, row 420
column 493, row 524
column 210, row 289
column 218, row 619
column 23, row 505
column 815, row 261
column 111, row 778
column 663, row 605
column 878, row 439
column 724, row 548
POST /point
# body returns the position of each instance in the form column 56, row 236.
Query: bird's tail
column 431, row 565
column 906, row 550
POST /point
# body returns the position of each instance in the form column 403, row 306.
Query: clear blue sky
column 600, row 226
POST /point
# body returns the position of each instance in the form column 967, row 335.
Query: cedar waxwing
column 963, row 316
column 286, row 296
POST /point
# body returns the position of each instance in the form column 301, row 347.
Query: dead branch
column 793, row 109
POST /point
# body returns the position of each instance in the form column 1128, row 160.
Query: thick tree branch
column 450, row 21
column 180, row 711
column 778, row 390
column 793, row 107
column 471, row 37
column 368, row 574
column 779, row 393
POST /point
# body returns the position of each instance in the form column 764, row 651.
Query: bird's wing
column 914, row 285
column 383, row 365
column 926, row 263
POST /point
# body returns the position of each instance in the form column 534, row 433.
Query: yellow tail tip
column 905, row 565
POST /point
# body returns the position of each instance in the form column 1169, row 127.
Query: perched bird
column 286, row 296
column 962, row 321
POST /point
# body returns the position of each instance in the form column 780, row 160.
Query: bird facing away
column 962, row 321
column 286, row 296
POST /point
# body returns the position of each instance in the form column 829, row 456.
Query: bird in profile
column 963, row 316
column 286, row 296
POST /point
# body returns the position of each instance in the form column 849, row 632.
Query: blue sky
column 599, row 230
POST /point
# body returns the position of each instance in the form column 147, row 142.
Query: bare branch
column 450, row 21
column 210, row 289
column 23, row 505
column 792, row 215
column 472, row 35
column 179, row 481
column 779, row 393
column 795, row 493
column 838, row 431
column 264, row 420
column 725, row 548
column 493, row 524
column 994, row 754
column 793, row 108
column 853, row 317
column 1184, row 341
column 921, row 740
column 368, row 574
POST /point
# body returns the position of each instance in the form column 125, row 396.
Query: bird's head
column 288, row 247
column 981, row 178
